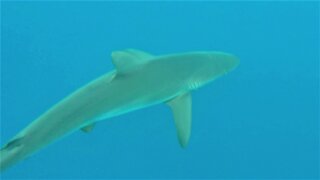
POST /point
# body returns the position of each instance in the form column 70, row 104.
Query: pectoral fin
column 88, row 128
column 182, row 111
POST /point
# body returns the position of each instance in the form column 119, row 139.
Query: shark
column 139, row 80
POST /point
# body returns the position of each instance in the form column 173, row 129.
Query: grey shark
column 138, row 81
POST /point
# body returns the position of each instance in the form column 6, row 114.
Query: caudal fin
column 11, row 154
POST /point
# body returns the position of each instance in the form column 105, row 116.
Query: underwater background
column 259, row 121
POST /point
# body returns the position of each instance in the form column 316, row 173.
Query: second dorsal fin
column 129, row 59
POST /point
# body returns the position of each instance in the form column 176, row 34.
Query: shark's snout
column 226, row 61
column 221, row 63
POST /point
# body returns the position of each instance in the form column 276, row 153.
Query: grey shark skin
column 139, row 80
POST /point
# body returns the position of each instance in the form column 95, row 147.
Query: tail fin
column 11, row 153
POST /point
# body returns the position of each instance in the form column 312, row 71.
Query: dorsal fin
column 129, row 59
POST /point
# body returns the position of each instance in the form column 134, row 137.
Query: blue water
column 259, row 121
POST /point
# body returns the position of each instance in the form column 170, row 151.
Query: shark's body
column 139, row 80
